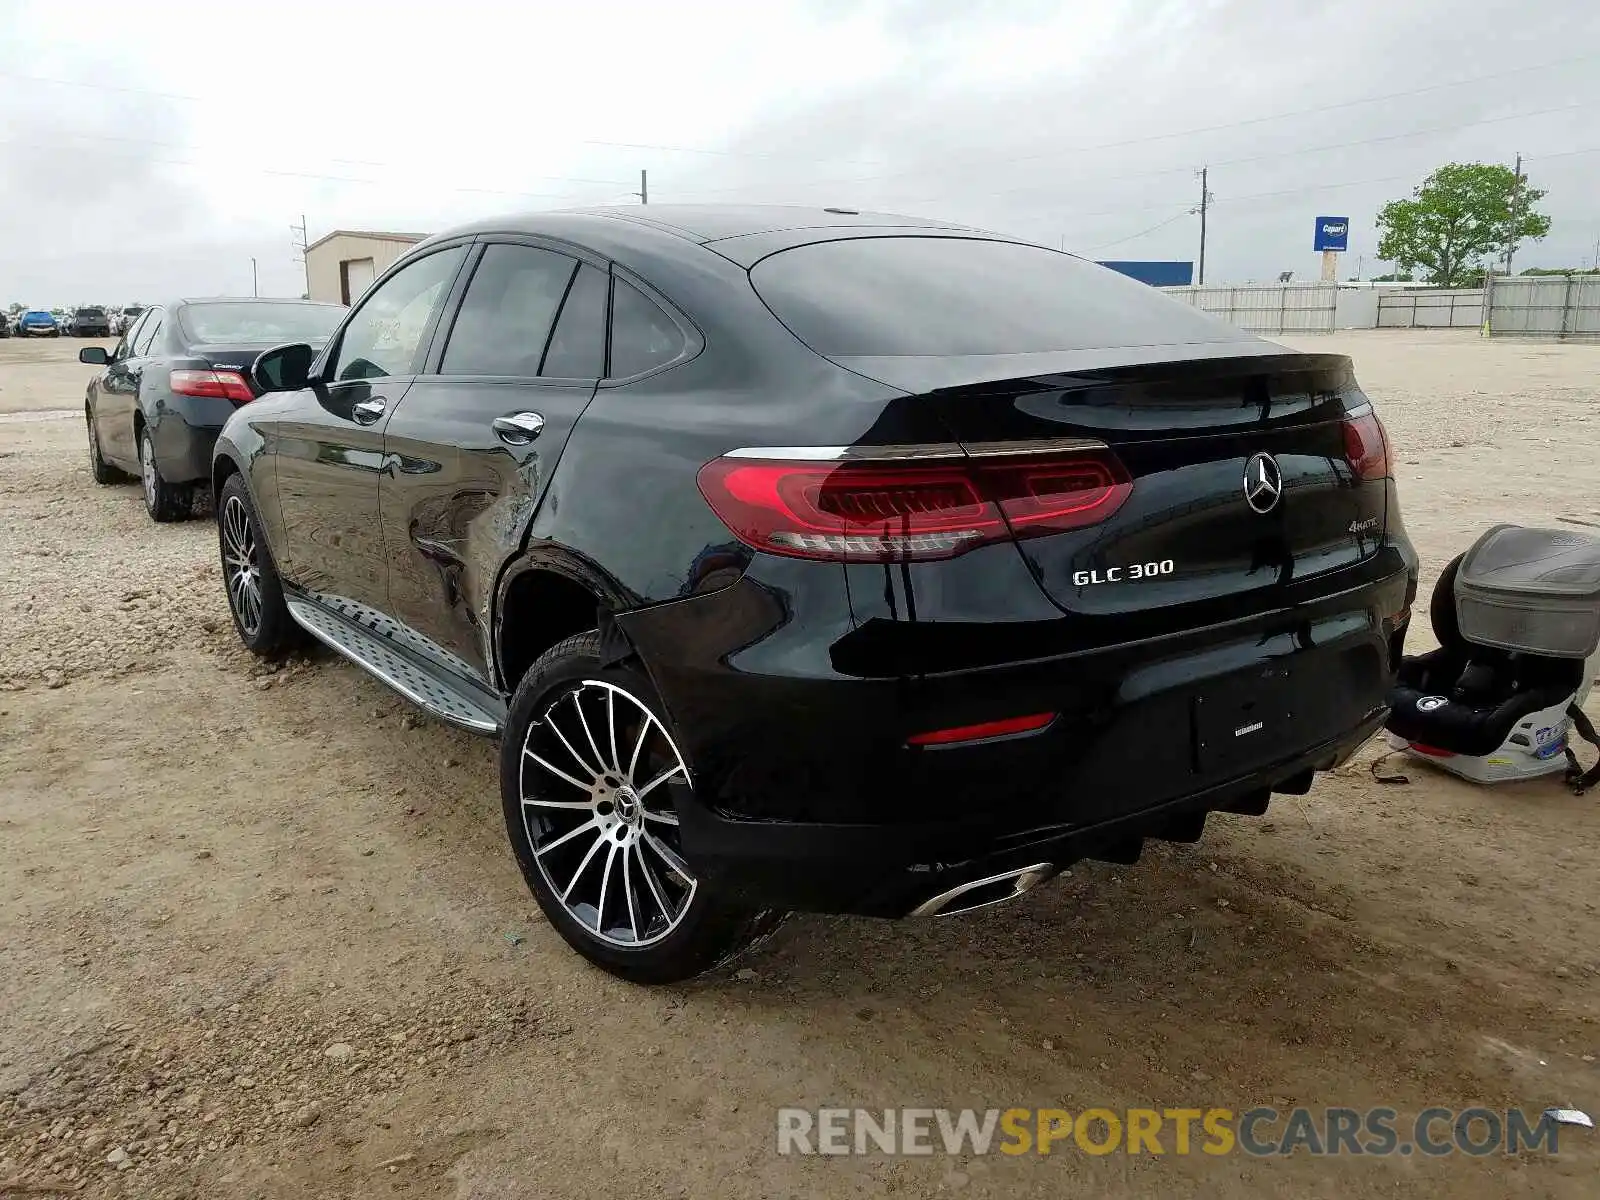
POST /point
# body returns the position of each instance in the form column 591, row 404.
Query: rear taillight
column 886, row 504
column 219, row 385
column 1366, row 446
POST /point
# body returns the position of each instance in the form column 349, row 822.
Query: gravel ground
column 262, row 936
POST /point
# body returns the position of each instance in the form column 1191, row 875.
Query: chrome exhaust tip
column 981, row 893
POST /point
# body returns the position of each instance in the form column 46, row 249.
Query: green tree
column 1460, row 215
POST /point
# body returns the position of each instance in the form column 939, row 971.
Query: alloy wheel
column 596, row 807
column 94, row 448
column 147, row 470
column 240, row 565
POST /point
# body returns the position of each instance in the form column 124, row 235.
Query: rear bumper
column 887, row 871
column 806, row 794
column 185, row 436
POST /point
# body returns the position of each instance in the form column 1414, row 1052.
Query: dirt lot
column 262, row 936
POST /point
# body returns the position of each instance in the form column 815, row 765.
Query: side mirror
column 95, row 356
column 283, row 368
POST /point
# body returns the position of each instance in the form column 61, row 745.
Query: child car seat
column 1518, row 619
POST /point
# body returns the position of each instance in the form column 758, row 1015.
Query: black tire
column 162, row 500
column 102, row 471
column 705, row 930
column 266, row 629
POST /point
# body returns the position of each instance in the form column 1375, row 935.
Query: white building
column 342, row 265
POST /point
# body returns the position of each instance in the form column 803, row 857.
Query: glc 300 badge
column 1131, row 573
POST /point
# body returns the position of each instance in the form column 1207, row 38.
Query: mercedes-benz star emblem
column 1263, row 483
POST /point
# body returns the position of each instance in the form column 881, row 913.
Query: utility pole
column 1516, row 195
column 1205, row 203
column 255, row 284
column 300, row 243
column 644, row 186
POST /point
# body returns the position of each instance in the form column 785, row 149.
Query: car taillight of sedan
column 220, row 385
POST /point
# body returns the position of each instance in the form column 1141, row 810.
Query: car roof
column 703, row 223
column 250, row 300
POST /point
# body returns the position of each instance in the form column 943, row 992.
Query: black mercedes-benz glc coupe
column 820, row 560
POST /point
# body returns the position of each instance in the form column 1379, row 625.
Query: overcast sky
column 153, row 148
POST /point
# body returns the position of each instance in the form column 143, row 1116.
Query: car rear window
column 243, row 321
column 944, row 295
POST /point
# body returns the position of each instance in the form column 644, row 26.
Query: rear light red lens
column 983, row 731
column 219, row 385
column 1053, row 494
column 885, row 510
column 1366, row 446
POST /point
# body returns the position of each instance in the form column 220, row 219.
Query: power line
column 1227, row 200
column 293, row 174
column 1562, row 154
column 96, row 85
column 1156, row 137
column 1180, row 133
column 1136, row 236
column 1267, row 156
column 326, row 178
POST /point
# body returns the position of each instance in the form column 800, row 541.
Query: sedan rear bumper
column 185, row 436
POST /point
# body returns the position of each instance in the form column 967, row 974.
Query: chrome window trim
column 922, row 451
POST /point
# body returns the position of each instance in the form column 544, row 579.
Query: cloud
column 1074, row 124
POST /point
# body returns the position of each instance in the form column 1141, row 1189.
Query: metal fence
column 1267, row 308
column 1565, row 307
column 1431, row 308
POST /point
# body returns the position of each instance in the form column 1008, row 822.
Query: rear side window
column 132, row 336
column 939, row 295
column 643, row 337
column 578, row 346
column 509, row 308
column 147, row 335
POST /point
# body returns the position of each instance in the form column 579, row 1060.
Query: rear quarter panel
column 242, row 444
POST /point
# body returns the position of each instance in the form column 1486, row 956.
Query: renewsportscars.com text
column 1260, row 1132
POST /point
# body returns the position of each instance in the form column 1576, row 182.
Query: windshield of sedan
column 254, row 321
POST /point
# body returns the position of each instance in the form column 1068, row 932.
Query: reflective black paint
column 792, row 685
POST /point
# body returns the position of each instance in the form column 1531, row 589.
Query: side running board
column 455, row 701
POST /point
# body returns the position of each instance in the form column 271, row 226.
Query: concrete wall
column 324, row 276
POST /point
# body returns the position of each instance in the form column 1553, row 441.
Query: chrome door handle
column 518, row 429
column 366, row 412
